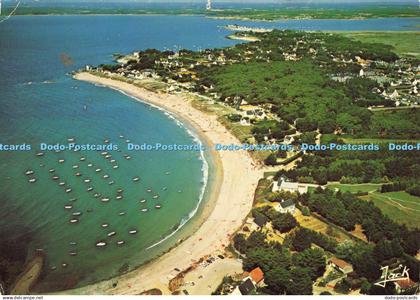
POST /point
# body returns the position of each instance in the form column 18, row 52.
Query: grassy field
column 317, row 225
column 405, row 43
column 399, row 206
column 354, row 188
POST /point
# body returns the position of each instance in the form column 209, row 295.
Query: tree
column 313, row 259
column 240, row 243
column 284, row 222
column 300, row 283
column 301, row 240
column 385, row 250
column 277, row 280
column 267, row 259
column 271, row 160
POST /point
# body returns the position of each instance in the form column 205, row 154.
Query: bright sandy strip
column 233, row 201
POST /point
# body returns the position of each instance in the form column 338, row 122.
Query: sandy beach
column 233, row 197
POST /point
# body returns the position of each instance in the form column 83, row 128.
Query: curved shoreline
column 233, row 198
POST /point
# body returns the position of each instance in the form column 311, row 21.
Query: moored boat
column 101, row 244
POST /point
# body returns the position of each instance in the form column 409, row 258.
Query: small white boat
column 135, row 179
column 144, row 210
column 115, row 167
column 111, row 182
column 75, row 166
column 69, row 206
column 112, row 233
column 70, row 140
column 72, row 243
column 149, row 190
column 61, row 161
column 108, row 156
column 98, row 170
column 53, row 268
column 74, row 221
column 164, row 188
column 32, row 180
column 121, row 136
column 105, row 199
column 78, row 174
column 64, row 265
column 104, row 153
column 167, row 173
column 68, row 190
column 105, row 176
column 55, row 178
column 127, row 141
column 90, row 165
column 158, row 206
column 128, row 157
column 120, row 243
column 86, row 180
column 133, row 231
column 89, row 189
column 51, row 170
column 82, row 158
column 122, row 213
column 29, row 172
column 101, row 244
column 40, row 154
column 106, row 141
column 155, row 197
column 143, row 201
column 77, row 214
column 112, row 160
column 72, row 253
column 62, row 183
column 120, row 190
column 72, row 199
column 96, row 195
column 119, row 197
column 104, row 225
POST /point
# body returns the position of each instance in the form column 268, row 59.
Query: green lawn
column 406, row 43
column 399, row 206
column 354, row 188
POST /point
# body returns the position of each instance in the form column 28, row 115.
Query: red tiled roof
column 340, row 263
column 257, row 275
column 405, row 283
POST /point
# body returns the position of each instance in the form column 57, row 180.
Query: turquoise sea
column 41, row 103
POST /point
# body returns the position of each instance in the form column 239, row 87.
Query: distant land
column 225, row 11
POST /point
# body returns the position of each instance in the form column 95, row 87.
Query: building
column 246, row 287
column 287, row 206
column 208, row 6
column 293, row 187
column 257, row 276
column 260, row 220
column 341, row 265
column 404, row 285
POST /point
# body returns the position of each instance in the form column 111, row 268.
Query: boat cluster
column 80, row 168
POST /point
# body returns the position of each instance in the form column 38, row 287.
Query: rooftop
column 340, row 263
column 257, row 275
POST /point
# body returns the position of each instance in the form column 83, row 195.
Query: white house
column 293, row 187
column 287, row 206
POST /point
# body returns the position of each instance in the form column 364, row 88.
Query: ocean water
column 41, row 103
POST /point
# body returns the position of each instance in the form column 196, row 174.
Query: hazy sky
column 216, row 1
